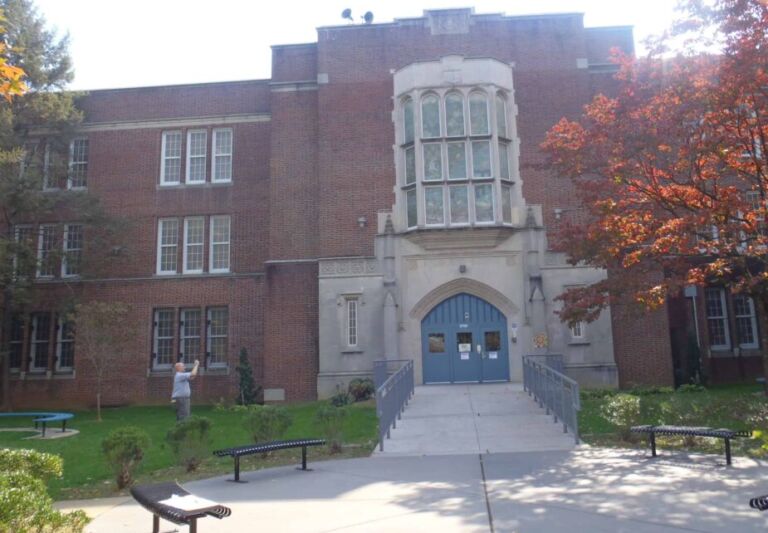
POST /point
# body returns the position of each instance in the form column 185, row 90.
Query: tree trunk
column 6, row 325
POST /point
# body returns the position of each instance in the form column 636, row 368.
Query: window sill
column 579, row 342
column 352, row 351
column 159, row 372
column 215, row 371
column 202, row 185
column 191, row 275
column 64, row 374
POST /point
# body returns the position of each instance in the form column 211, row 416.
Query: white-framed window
column 77, row 177
column 746, row 321
column 163, row 338
column 65, row 345
column 219, row 251
column 170, row 166
column 717, row 319
column 167, row 245
column 40, row 342
column 434, row 209
column 411, row 208
column 73, row 250
column 352, row 320
column 221, row 163
column 484, row 203
column 197, row 143
column 46, row 244
column 464, row 137
column 194, row 244
column 218, row 336
column 25, row 240
column 190, row 329
column 506, row 204
column 578, row 331
column 16, row 343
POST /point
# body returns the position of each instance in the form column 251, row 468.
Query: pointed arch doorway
column 464, row 340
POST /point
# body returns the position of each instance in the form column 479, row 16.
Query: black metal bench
column 150, row 496
column 266, row 447
column 760, row 503
column 687, row 431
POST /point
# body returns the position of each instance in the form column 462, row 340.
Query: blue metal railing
column 392, row 393
column 554, row 391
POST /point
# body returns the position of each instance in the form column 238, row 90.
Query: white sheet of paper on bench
column 188, row 503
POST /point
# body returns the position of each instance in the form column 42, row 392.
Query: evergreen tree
column 249, row 393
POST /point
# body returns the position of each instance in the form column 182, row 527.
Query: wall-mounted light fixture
column 462, row 269
column 362, row 221
column 513, row 333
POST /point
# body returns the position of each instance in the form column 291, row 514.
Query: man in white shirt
column 181, row 391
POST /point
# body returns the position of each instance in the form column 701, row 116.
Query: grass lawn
column 86, row 473
column 721, row 406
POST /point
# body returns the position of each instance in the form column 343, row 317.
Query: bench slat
column 149, row 496
column 250, row 449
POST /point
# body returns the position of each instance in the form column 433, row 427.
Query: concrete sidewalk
column 473, row 419
column 590, row 490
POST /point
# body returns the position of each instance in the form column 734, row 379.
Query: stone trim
column 346, row 268
column 469, row 286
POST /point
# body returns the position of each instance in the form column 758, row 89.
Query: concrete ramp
column 472, row 419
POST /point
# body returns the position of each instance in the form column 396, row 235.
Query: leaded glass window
column 410, row 165
column 408, row 120
column 484, row 203
column 218, row 331
column 410, row 198
column 454, row 114
column 717, row 319
column 191, row 329
column 433, row 164
column 459, row 205
column 433, row 201
column 478, row 114
column 197, row 142
column 503, row 161
column 481, row 159
column 506, row 204
column 430, row 116
column 457, row 160
column 746, row 324
column 501, row 116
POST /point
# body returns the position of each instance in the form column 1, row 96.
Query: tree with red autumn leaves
column 672, row 170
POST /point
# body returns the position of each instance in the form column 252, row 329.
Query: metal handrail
column 392, row 395
column 555, row 392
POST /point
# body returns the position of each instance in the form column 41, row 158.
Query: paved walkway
column 459, row 419
column 582, row 490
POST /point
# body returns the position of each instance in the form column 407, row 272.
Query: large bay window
column 457, row 171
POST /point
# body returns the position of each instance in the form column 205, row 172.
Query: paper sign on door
column 493, row 355
column 465, row 347
column 464, row 356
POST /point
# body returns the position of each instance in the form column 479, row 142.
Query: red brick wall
column 291, row 330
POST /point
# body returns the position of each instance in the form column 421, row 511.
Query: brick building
column 379, row 197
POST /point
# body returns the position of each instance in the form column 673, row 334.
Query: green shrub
column 623, row 412
column 649, row 391
column 597, row 394
column 266, row 422
column 361, row 389
column 190, row 441
column 691, row 387
column 340, row 399
column 124, row 449
column 330, row 423
column 25, row 505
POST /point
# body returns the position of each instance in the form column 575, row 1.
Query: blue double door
column 464, row 340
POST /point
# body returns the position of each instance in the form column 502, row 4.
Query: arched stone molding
column 457, row 286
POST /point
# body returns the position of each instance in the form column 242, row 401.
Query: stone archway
column 458, row 286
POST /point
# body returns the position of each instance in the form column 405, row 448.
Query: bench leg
column 728, row 451
column 63, row 426
column 43, row 429
column 193, row 525
column 652, row 442
column 303, row 457
column 155, row 524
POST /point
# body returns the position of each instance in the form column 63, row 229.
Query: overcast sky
column 115, row 43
